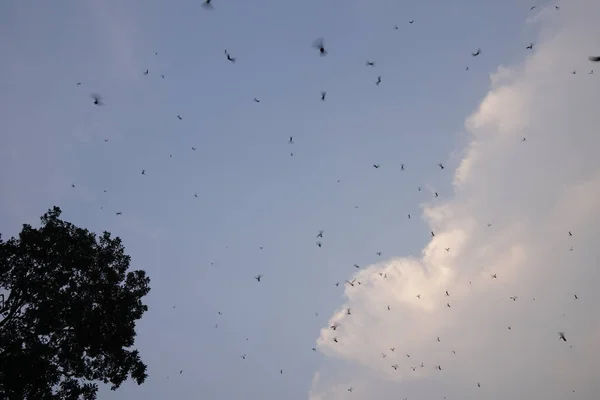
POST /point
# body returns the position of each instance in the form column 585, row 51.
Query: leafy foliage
column 69, row 317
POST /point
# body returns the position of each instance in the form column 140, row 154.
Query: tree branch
column 12, row 313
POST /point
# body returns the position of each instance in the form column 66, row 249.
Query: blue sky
column 203, row 252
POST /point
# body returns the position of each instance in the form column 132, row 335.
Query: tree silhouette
column 69, row 313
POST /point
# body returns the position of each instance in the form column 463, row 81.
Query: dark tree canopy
column 68, row 319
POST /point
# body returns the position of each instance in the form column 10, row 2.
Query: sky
column 204, row 222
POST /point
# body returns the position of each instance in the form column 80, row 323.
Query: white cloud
column 533, row 193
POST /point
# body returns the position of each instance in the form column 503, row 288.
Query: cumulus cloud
column 514, row 204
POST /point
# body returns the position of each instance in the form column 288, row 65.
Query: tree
column 68, row 319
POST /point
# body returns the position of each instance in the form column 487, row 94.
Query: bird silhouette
column 376, row 165
column 370, row 63
column 530, row 47
column 207, row 4
column 378, row 80
column 562, row 336
column 319, row 44
column 323, row 94
column 594, row 58
column 257, row 277
column 475, row 54
column 229, row 58
column 97, row 99
column 320, row 234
